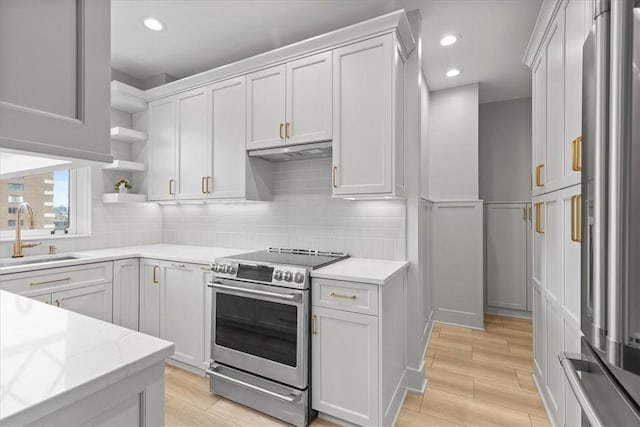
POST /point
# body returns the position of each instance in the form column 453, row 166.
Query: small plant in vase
column 122, row 185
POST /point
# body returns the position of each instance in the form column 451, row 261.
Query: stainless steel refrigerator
column 605, row 378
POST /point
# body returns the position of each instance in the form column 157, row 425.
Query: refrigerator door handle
column 571, row 365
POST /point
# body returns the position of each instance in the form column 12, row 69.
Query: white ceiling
column 203, row 34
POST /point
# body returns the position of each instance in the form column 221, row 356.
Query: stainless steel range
column 260, row 330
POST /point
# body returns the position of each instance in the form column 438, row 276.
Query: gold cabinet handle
column 281, row 128
column 156, row 271
column 209, row 184
column 539, row 229
column 314, row 325
column 539, row 175
column 172, row 183
column 335, row 169
column 48, row 282
column 524, row 213
column 576, row 153
column 204, row 178
column 333, row 294
column 286, row 129
column 576, row 218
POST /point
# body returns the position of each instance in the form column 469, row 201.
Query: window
column 15, row 187
column 15, row 199
column 12, row 223
column 61, row 202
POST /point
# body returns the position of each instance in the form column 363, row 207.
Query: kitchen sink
column 13, row 262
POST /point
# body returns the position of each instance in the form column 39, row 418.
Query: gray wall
column 453, row 144
column 505, row 150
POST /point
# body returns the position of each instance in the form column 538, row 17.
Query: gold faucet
column 18, row 245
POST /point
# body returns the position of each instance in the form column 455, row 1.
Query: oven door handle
column 286, row 297
column 289, row 399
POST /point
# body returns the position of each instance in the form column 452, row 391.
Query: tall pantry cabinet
column 555, row 58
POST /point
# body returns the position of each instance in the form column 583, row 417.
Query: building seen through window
column 47, row 193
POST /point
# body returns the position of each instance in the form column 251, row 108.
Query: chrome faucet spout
column 17, row 244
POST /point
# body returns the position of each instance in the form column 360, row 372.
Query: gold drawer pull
column 576, row 153
column 156, row 271
column 335, row 169
column 281, row 128
column 538, row 218
column 333, row 294
column 286, row 129
column 64, row 279
column 314, row 325
column 539, row 175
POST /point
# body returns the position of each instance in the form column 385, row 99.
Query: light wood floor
column 475, row 378
column 478, row 378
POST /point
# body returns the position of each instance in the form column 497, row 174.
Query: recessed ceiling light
column 153, row 24
column 452, row 72
column 448, row 40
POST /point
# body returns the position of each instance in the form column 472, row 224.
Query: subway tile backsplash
column 302, row 215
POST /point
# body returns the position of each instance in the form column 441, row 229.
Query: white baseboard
column 508, row 312
column 545, row 401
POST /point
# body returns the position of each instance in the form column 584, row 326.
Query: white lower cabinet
column 207, row 294
column 126, row 293
column 85, row 289
column 150, row 297
column 357, row 360
column 95, row 301
column 181, row 316
column 345, row 365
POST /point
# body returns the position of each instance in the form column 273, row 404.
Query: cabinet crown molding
column 548, row 11
column 392, row 22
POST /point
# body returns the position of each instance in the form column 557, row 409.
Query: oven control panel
column 287, row 276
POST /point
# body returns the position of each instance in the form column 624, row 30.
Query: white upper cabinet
column 266, row 107
column 162, row 136
column 290, row 103
column 368, row 124
column 539, row 103
column 554, row 52
column 309, row 99
column 54, row 84
column 192, row 160
column 228, row 119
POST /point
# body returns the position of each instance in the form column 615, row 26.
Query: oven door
column 261, row 329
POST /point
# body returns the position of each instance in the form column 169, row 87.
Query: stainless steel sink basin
column 12, row 262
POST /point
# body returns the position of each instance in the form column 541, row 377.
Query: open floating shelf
column 123, row 198
column 125, row 166
column 119, row 133
column 127, row 98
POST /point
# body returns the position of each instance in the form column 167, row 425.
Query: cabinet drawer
column 347, row 296
column 45, row 281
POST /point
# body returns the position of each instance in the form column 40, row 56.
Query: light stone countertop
column 364, row 270
column 51, row 357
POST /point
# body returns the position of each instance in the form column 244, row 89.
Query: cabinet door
column 162, row 137
column 309, row 99
column 207, row 298
column 193, row 144
column 554, row 51
column 150, row 297
column 54, row 84
column 539, row 126
column 362, row 117
column 94, row 301
column 228, row 126
column 506, row 255
column 181, row 317
column 126, row 293
column 539, row 249
column 46, row 298
column 574, row 39
column 344, row 365
column 266, row 107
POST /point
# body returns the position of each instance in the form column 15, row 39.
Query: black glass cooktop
column 296, row 257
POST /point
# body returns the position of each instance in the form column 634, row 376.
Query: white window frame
column 79, row 211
